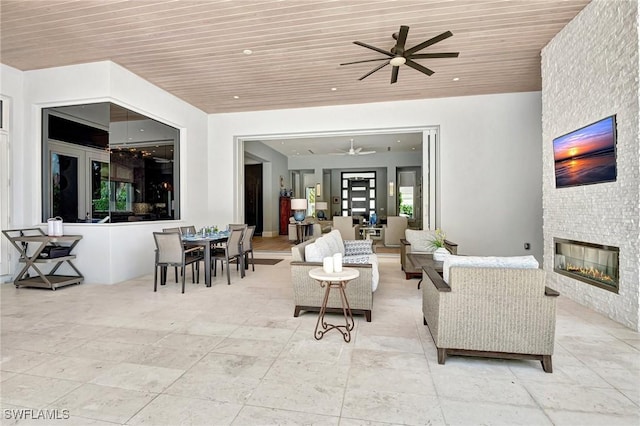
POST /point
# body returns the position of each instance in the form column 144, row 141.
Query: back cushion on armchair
column 513, row 262
column 420, row 240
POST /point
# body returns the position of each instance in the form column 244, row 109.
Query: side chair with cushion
column 171, row 252
column 394, row 230
column 231, row 250
column 344, row 224
column 419, row 241
column 491, row 307
column 179, row 231
column 247, row 246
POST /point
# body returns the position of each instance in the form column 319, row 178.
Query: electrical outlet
column 527, row 246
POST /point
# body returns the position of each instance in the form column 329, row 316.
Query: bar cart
column 36, row 248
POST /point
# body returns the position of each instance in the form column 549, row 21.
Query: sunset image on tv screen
column 587, row 155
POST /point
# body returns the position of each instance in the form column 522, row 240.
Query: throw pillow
column 324, row 247
column 312, row 253
column 356, row 247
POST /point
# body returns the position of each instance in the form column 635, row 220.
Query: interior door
column 253, row 210
column 359, row 197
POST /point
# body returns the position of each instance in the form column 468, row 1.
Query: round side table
column 339, row 281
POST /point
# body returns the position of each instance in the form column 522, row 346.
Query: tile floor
column 234, row 354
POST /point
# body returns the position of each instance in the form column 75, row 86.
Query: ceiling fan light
column 397, row 61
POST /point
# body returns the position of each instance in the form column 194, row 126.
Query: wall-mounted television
column 587, row 155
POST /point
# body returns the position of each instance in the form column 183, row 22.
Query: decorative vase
column 440, row 254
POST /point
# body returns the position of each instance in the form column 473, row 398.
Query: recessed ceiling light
column 247, row 51
column 413, row 148
column 333, row 89
column 456, row 78
column 142, row 130
column 236, row 97
column 398, row 141
column 282, row 143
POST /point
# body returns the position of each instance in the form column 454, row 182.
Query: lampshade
column 321, row 205
column 298, row 204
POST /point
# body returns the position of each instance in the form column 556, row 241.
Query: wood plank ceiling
column 194, row 49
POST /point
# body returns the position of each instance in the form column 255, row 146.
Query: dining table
column 205, row 240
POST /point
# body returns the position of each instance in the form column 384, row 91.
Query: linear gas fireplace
column 594, row 264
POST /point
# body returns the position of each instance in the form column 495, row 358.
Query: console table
column 22, row 238
column 339, row 281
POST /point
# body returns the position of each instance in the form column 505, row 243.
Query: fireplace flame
column 591, row 272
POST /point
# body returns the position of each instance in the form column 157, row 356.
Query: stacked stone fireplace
column 590, row 71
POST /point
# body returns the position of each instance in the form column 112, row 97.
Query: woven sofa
column 358, row 254
column 499, row 311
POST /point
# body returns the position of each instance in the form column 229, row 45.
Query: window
column 102, row 162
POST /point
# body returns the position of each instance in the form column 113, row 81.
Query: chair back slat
column 188, row 230
column 241, row 226
column 247, row 238
column 169, row 246
column 233, row 243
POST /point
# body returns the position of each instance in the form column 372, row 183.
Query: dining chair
column 179, row 232
column 247, row 246
column 242, row 226
column 187, row 230
column 230, row 250
column 171, row 252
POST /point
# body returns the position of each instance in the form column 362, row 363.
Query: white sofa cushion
column 514, row 262
column 312, row 253
column 334, row 240
column 420, row 240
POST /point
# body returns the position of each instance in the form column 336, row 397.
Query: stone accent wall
column 590, row 70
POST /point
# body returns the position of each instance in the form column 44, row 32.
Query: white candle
column 327, row 264
column 337, row 262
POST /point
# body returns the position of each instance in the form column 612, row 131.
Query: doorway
column 253, row 214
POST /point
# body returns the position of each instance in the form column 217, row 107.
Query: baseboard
column 269, row 234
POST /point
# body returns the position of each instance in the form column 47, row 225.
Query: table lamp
column 321, row 206
column 299, row 207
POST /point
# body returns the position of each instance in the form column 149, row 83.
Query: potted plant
column 440, row 251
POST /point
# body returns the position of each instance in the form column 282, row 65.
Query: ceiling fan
column 398, row 55
column 353, row 151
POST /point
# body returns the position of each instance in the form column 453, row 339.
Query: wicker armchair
column 307, row 293
column 491, row 312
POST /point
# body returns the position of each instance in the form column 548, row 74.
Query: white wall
column 108, row 253
column 274, row 165
column 590, row 70
column 490, row 156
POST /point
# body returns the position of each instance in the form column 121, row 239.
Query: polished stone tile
column 176, row 410
column 106, row 403
column 392, row 407
column 158, row 356
column 315, row 398
column 579, row 398
column 18, row 360
column 72, row 368
column 235, row 354
column 138, row 377
column 482, row 389
column 463, row 413
column 201, row 383
column 251, row 416
column 34, row 391
column 572, row 418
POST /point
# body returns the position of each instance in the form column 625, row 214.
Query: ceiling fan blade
column 366, row 152
column 377, row 49
column 374, row 70
column 357, row 150
column 367, row 60
column 434, row 55
column 428, row 43
column 417, row 66
column 394, row 74
column 402, row 39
